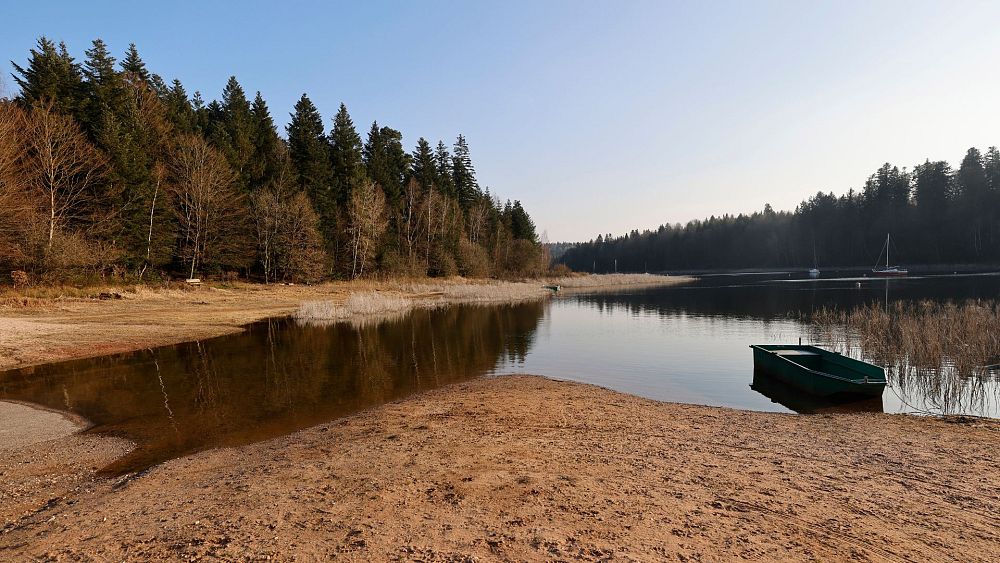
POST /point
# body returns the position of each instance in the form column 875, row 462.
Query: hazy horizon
column 600, row 118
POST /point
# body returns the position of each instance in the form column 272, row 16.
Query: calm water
column 690, row 343
column 687, row 344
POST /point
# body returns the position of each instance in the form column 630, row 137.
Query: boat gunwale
column 869, row 382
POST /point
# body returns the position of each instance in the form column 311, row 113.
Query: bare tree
column 15, row 202
column 301, row 242
column 159, row 175
column 207, row 207
column 289, row 240
column 430, row 217
column 368, row 223
column 410, row 219
column 479, row 215
column 66, row 167
column 268, row 217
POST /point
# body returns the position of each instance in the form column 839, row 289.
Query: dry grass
column 362, row 307
column 23, row 297
column 597, row 281
column 367, row 307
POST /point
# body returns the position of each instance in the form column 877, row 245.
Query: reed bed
column 925, row 333
column 371, row 307
column 941, row 355
column 357, row 304
column 396, row 297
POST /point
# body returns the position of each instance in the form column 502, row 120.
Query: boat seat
column 794, row 353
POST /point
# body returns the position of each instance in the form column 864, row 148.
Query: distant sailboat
column 814, row 271
column 887, row 270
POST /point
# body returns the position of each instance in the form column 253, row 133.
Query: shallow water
column 686, row 344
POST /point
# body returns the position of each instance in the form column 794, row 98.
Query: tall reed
column 945, row 354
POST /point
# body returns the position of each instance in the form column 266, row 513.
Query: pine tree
column 179, row 110
column 104, row 86
column 231, row 130
column 386, row 162
column 971, row 177
column 932, row 187
column 134, row 65
column 991, row 167
column 266, row 158
column 423, row 168
column 309, row 153
column 973, row 194
column 521, row 225
column 345, row 157
column 159, row 85
column 443, row 170
column 464, row 174
column 932, row 191
column 50, row 76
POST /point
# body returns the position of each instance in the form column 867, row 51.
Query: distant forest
column 935, row 214
column 106, row 169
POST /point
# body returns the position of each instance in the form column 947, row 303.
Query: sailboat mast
column 887, row 250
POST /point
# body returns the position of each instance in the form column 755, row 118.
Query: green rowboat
column 817, row 371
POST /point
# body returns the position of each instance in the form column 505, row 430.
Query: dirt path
column 523, row 468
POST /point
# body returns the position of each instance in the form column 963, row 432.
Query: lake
column 686, row 344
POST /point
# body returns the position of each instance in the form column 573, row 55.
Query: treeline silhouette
column 106, row 169
column 935, row 214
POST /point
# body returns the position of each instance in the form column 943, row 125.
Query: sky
column 600, row 117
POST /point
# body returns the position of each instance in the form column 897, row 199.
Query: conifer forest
column 936, row 214
column 107, row 169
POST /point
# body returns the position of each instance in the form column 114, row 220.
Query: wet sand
column 525, row 468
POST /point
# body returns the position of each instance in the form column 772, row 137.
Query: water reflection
column 689, row 343
column 274, row 378
column 807, row 404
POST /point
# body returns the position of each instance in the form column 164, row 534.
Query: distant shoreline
column 914, row 268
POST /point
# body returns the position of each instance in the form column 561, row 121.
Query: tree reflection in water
column 276, row 377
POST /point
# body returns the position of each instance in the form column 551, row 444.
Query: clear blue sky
column 599, row 116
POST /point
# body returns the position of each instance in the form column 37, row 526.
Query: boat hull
column 862, row 379
column 889, row 273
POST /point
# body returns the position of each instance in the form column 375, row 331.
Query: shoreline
column 526, row 468
column 55, row 329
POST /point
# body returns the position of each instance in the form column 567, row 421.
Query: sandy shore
column 524, row 468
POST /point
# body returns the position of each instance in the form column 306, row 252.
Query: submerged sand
column 525, row 468
column 23, row 425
